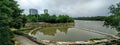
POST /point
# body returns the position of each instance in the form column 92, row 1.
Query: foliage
column 64, row 19
column 44, row 17
column 18, row 32
column 10, row 13
column 114, row 19
column 31, row 18
column 10, row 16
column 5, row 36
column 99, row 18
column 18, row 20
column 49, row 18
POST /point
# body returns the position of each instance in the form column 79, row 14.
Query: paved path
column 94, row 31
column 30, row 33
column 24, row 41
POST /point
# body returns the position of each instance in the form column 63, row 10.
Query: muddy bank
column 43, row 24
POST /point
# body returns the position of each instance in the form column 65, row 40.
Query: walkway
column 24, row 41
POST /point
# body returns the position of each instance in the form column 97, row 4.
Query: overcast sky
column 72, row 8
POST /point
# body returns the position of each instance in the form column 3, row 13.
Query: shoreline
column 43, row 24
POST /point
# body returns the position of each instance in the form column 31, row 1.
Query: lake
column 73, row 34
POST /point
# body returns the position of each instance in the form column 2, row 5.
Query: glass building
column 33, row 11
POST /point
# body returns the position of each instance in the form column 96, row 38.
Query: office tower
column 33, row 11
column 45, row 11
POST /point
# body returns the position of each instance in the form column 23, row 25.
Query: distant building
column 33, row 11
column 45, row 11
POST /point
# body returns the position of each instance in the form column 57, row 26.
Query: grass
column 46, row 27
column 52, row 30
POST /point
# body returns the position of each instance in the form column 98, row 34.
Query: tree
column 5, row 36
column 52, row 19
column 49, row 18
column 114, row 19
column 24, row 20
column 64, row 19
column 9, row 16
column 31, row 18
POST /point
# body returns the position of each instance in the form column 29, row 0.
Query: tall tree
column 114, row 19
column 9, row 13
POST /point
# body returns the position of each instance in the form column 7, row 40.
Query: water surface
column 74, row 34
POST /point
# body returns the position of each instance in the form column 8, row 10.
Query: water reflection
column 95, row 25
column 51, row 31
column 63, row 33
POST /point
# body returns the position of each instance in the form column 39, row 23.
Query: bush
column 6, row 36
column 49, row 18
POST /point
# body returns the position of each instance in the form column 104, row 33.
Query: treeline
column 97, row 18
column 49, row 18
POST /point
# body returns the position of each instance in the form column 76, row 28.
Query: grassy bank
column 43, row 24
column 32, row 26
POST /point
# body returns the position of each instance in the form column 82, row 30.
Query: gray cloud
column 73, row 8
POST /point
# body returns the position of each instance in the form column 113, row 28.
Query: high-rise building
column 33, row 11
column 45, row 11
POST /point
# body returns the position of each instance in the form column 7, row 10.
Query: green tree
column 52, row 19
column 49, row 18
column 9, row 16
column 44, row 17
column 9, row 8
column 64, row 19
column 5, row 36
column 24, row 20
column 31, row 18
column 114, row 19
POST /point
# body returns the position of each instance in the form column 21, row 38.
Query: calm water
column 74, row 34
column 94, row 25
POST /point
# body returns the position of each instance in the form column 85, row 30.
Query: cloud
column 72, row 8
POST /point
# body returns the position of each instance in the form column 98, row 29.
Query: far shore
column 44, row 24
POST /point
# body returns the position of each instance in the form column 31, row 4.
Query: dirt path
column 24, row 41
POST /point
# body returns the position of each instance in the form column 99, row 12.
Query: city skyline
column 72, row 8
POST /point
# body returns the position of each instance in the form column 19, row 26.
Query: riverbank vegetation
column 96, row 18
column 31, row 26
column 49, row 18
column 114, row 19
